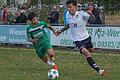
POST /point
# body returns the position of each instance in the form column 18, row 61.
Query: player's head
column 32, row 17
column 71, row 6
column 91, row 7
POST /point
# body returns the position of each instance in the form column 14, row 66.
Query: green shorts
column 42, row 50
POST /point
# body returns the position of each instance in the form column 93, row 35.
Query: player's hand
column 89, row 11
column 56, row 33
column 35, row 40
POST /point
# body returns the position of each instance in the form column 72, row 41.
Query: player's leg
column 48, row 48
column 81, row 45
column 51, row 54
column 90, row 61
column 49, row 62
column 91, row 50
column 44, row 58
column 88, row 49
column 88, row 44
column 86, row 52
column 41, row 52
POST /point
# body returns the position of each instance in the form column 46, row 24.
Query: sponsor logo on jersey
column 38, row 34
column 35, row 29
column 77, row 16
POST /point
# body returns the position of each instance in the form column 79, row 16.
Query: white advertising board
column 102, row 37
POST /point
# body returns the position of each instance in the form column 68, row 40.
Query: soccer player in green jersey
column 41, row 43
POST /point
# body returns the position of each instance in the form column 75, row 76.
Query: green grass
column 23, row 64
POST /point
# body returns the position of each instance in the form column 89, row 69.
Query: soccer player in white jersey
column 77, row 20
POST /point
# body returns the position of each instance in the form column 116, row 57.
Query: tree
column 109, row 3
column 110, row 6
column 33, row 2
column 50, row 1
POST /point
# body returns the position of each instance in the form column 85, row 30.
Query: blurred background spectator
column 4, row 15
column 54, row 15
column 10, row 17
column 0, row 14
column 21, row 17
column 96, row 14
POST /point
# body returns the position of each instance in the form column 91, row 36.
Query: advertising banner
column 102, row 37
column 13, row 34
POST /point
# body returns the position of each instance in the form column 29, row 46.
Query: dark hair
column 31, row 15
column 74, row 2
column 91, row 5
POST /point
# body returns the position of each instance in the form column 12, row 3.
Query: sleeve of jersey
column 45, row 24
column 85, row 16
column 67, row 18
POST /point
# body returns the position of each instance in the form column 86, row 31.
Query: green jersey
column 40, row 34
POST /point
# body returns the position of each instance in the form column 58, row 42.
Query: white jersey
column 78, row 25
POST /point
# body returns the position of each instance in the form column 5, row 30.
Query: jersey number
column 74, row 25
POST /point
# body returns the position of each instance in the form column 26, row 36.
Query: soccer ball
column 53, row 74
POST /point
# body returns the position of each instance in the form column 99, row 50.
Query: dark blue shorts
column 87, row 43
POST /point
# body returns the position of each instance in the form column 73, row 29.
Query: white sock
column 50, row 63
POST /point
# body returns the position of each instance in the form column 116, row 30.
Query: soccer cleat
column 55, row 67
column 102, row 73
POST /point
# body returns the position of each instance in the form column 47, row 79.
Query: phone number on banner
column 108, row 44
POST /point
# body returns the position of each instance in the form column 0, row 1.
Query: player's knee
column 85, row 52
column 92, row 50
column 51, row 53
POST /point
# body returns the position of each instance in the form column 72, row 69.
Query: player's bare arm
column 63, row 29
column 53, row 30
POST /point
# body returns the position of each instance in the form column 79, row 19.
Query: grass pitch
column 23, row 64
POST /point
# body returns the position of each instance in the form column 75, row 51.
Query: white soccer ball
column 53, row 74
